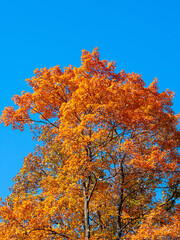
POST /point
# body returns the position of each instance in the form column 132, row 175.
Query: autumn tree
column 107, row 145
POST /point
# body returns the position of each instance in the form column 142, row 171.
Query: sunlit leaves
column 107, row 144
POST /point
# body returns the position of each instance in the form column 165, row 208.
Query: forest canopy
column 106, row 165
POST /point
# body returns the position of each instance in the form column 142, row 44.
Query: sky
column 141, row 36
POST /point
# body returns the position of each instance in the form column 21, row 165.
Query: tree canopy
column 106, row 146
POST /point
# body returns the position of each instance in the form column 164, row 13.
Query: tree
column 107, row 143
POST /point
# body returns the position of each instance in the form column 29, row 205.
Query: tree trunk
column 86, row 219
column 119, row 225
column 120, row 204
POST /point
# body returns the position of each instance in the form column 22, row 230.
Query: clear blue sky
column 141, row 36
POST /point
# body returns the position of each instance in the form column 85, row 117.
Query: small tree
column 108, row 143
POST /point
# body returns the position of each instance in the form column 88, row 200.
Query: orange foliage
column 108, row 143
